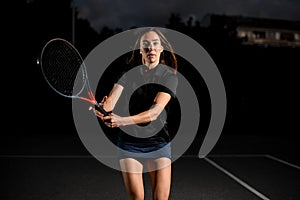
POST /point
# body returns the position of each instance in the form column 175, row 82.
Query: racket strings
column 62, row 66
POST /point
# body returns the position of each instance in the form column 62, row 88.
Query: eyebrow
column 151, row 40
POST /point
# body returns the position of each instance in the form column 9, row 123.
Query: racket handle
column 101, row 109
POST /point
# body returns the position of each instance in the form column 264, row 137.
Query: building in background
column 256, row 31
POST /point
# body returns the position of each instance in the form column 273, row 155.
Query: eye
column 145, row 44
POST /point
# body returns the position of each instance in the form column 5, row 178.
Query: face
column 150, row 47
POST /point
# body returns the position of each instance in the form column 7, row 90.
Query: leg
column 160, row 174
column 133, row 178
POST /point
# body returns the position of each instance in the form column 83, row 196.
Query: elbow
column 155, row 112
column 153, row 117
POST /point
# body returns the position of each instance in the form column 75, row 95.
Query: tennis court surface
column 239, row 168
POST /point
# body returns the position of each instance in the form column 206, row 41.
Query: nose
column 150, row 47
column 147, row 49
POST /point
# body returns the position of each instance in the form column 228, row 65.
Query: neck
column 151, row 65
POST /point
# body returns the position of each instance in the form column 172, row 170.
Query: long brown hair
column 167, row 57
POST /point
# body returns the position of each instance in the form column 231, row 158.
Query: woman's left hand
column 114, row 120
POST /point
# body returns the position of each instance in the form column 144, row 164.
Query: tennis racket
column 61, row 65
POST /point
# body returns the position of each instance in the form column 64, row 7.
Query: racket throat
column 91, row 98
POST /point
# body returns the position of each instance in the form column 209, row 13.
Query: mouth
column 151, row 55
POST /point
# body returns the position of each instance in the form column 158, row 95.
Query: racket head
column 63, row 67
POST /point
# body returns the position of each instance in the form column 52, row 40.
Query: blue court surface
column 59, row 168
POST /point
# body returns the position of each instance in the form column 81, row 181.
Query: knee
column 136, row 195
column 163, row 195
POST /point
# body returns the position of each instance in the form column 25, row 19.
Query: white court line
column 236, row 155
column 251, row 189
column 282, row 161
column 225, row 156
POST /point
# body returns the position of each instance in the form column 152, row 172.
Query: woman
column 144, row 139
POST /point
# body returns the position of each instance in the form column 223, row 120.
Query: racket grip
column 101, row 109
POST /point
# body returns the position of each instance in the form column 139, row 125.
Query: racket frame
column 91, row 97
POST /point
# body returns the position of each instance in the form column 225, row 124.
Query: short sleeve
column 169, row 84
column 122, row 80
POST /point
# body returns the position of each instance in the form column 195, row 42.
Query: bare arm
column 114, row 95
column 109, row 102
column 159, row 104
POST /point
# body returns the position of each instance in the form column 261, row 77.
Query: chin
column 152, row 60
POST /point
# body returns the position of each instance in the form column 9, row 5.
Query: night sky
column 124, row 14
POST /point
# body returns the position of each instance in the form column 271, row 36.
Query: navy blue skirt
column 144, row 150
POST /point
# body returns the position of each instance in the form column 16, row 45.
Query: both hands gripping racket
column 61, row 65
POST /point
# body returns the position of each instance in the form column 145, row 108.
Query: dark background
column 261, row 83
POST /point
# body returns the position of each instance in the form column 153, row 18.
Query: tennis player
column 144, row 138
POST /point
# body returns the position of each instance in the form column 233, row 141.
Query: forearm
column 108, row 105
column 112, row 98
column 144, row 117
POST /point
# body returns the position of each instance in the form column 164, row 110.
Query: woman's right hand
column 97, row 113
column 101, row 116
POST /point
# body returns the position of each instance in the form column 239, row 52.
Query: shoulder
column 166, row 68
column 166, row 71
column 131, row 74
column 168, row 79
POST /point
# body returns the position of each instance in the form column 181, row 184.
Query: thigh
column 132, row 175
column 160, row 173
column 131, row 165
